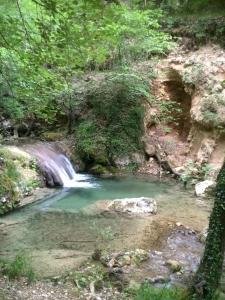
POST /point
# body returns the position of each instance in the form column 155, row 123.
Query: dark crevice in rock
column 176, row 91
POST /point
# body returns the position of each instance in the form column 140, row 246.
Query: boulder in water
column 134, row 206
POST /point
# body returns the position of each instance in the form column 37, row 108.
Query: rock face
column 186, row 121
column 18, row 177
column 134, row 206
column 52, row 179
column 202, row 187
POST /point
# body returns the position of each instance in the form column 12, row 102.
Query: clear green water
column 107, row 189
column 62, row 225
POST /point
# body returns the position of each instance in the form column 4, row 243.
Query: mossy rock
column 52, row 136
column 78, row 164
column 99, row 170
column 102, row 159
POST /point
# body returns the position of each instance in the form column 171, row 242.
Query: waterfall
column 56, row 167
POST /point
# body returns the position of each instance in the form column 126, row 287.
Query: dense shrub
column 113, row 123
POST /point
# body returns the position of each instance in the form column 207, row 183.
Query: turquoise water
column 107, row 189
column 63, row 225
column 172, row 199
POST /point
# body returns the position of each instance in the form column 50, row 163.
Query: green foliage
column 147, row 292
column 169, row 112
column 212, row 108
column 45, row 43
column 9, row 177
column 32, row 184
column 13, row 184
column 195, row 172
column 17, row 268
column 113, row 125
column 193, row 6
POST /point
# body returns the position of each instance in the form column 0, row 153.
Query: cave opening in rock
column 175, row 90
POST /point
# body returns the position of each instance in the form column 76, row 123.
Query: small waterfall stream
column 57, row 168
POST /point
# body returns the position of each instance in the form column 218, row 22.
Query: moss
column 52, row 136
column 99, row 170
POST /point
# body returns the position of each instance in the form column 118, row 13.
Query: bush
column 19, row 267
column 113, row 124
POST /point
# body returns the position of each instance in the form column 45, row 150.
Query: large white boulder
column 135, row 206
column 202, row 187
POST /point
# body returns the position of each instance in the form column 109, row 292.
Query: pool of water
column 168, row 194
column 58, row 232
column 75, row 199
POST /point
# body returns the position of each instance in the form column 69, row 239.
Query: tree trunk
column 207, row 278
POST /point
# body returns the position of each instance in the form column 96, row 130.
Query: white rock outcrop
column 134, row 206
column 202, row 187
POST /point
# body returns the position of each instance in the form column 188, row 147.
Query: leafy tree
column 44, row 44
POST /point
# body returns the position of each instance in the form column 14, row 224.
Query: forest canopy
column 44, row 44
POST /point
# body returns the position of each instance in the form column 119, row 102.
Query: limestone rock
column 173, row 265
column 122, row 259
column 150, row 149
column 122, row 162
column 134, row 206
column 197, row 86
column 140, row 255
column 206, row 150
column 202, row 187
column 158, row 279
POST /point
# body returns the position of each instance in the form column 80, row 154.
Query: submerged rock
column 202, row 187
column 134, row 206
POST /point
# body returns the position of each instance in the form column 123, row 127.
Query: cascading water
column 57, row 168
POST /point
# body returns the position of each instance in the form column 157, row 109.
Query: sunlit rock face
column 189, row 87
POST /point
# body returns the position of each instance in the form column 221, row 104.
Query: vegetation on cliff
column 112, row 122
column 18, row 178
column 9, row 178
